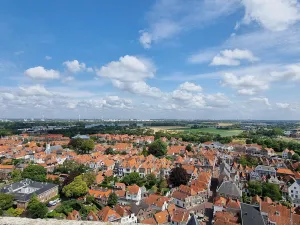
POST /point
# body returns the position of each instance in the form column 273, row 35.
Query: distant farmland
column 222, row 132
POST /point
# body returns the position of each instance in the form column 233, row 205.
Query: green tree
column 163, row 184
column 35, row 172
column 296, row 157
column 150, row 180
column 272, row 191
column 248, row 141
column 144, row 152
column 254, row 188
column 89, row 178
column 16, row 175
column 178, row 176
column 189, row 148
column 36, row 209
column 157, row 148
column 109, row 151
column 14, row 212
column 70, row 166
column 6, row 201
column 75, row 189
column 87, row 146
column 76, row 143
column 89, row 199
column 133, row 178
column 112, row 200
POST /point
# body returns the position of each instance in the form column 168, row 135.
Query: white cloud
column 202, row 56
column 128, row 69
column 245, row 91
column 218, row 100
column 262, row 100
column 168, row 18
column 247, row 83
column 129, row 73
column 48, row 57
column 188, row 86
column 139, row 88
column 275, row 15
column 40, row 73
column 35, row 90
column 75, row 66
column 89, row 69
column 145, row 39
column 289, row 72
column 7, row 96
column 282, row 105
column 67, row 79
column 233, row 57
column 182, row 95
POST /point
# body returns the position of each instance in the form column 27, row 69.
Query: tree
column 178, row 176
column 109, row 151
column 150, row 180
column 133, row 178
column 248, row 141
column 76, row 189
column 36, row 209
column 89, row 178
column 189, row 148
column 89, row 199
column 163, row 183
column 144, row 152
column 87, row 146
column 272, row 191
column 70, row 166
column 112, row 200
column 254, row 188
column 296, row 157
column 35, row 172
column 6, row 201
column 16, row 175
column 158, row 148
column 14, row 212
column 76, row 143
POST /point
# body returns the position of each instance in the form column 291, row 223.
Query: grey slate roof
column 229, row 188
column 193, row 221
column 13, row 188
column 250, row 215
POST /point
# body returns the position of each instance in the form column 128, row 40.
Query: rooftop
column 251, row 215
column 23, row 190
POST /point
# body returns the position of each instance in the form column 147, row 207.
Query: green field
column 223, row 133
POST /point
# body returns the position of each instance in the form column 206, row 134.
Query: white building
column 294, row 193
column 134, row 193
column 287, row 154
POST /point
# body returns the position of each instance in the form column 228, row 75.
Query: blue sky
column 195, row 59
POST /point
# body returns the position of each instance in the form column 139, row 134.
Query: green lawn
column 223, row 133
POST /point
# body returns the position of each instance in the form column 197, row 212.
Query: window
column 292, row 191
column 296, row 196
column 294, row 187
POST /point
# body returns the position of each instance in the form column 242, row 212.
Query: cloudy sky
column 189, row 59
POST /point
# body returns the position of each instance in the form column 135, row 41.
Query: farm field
column 167, row 128
column 223, row 133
